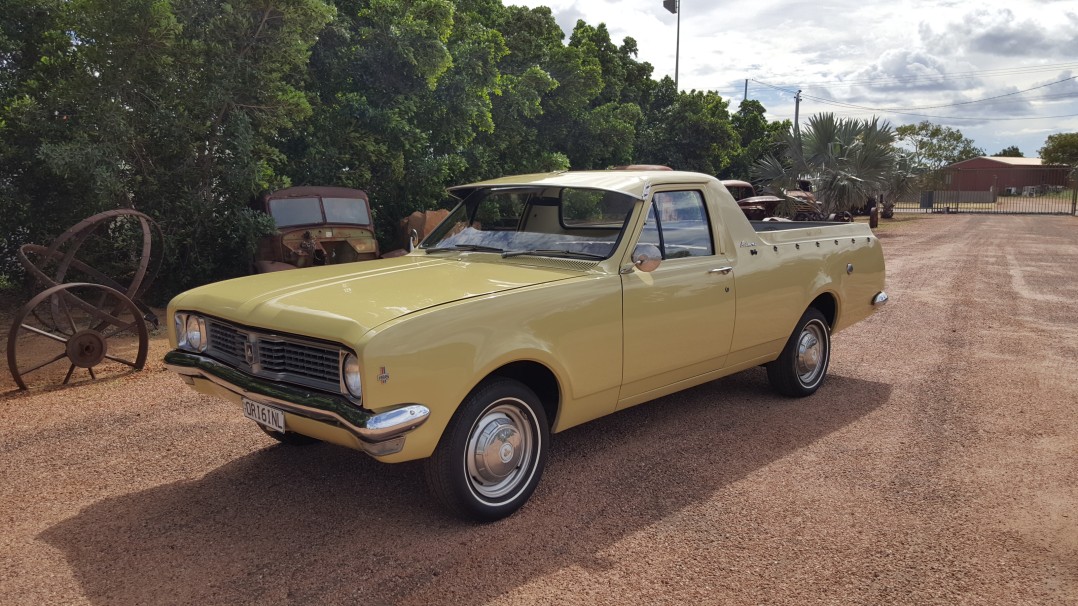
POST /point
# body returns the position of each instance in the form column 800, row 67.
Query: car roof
column 634, row 183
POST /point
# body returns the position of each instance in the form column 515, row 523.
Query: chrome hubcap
column 811, row 353
column 499, row 455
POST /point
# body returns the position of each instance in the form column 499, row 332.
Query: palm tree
column 847, row 160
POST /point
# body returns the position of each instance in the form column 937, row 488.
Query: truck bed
column 762, row 226
column 782, row 232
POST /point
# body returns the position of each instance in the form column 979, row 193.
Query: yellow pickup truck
column 541, row 302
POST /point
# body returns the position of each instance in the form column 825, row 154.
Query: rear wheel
column 492, row 455
column 802, row 365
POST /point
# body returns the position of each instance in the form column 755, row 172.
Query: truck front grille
column 276, row 357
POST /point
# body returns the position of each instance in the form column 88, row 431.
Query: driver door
column 679, row 318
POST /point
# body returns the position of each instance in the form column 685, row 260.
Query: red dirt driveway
column 937, row 465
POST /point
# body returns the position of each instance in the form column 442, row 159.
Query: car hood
column 343, row 302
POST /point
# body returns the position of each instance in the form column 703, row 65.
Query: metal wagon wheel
column 76, row 326
column 65, row 248
column 53, row 264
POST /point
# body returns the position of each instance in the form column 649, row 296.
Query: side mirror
column 647, row 257
column 413, row 240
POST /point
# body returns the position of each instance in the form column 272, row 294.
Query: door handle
column 721, row 270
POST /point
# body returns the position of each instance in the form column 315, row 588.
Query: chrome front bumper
column 378, row 434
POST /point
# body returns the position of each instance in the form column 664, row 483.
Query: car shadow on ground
column 323, row 524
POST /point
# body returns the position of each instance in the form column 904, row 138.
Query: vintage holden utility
column 540, row 303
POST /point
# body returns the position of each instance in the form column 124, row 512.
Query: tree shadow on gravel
column 323, row 524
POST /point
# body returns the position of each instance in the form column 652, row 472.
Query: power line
column 858, row 113
column 980, row 119
column 964, row 75
column 899, row 109
column 902, row 113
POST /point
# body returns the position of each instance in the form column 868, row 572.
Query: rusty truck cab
column 316, row 226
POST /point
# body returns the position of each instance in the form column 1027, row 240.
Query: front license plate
column 264, row 415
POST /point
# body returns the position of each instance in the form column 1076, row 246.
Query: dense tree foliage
column 932, row 146
column 188, row 109
column 1060, row 148
column 758, row 138
column 172, row 107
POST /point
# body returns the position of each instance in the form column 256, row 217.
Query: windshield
column 295, row 211
column 288, row 212
column 545, row 221
column 346, row 210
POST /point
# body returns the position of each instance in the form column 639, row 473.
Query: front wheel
column 802, row 365
column 492, row 454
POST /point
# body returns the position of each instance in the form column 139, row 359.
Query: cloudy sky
column 1004, row 73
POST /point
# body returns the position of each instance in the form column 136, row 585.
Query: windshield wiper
column 543, row 252
column 467, row 247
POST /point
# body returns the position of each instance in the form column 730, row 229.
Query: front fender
column 437, row 356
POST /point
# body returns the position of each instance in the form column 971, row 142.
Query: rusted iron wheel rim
column 84, row 329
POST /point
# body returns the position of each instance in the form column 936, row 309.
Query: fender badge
column 744, row 244
column 383, row 376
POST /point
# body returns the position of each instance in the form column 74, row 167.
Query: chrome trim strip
column 880, row 299
column 371, row 429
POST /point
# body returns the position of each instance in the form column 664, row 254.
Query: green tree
column 34, row 203
column 688, row 131
column 1009, row 152
column 847, row 161
column 169, row 106
column 524, row 92
column 932, row 146
column 757, row 138
column 1060, row 148
column 393, row 112
column 560, row 105
column 601, row 129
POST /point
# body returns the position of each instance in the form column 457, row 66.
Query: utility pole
column 674, row 6
column 797, row 112
column 797, row 134
column 746, row 97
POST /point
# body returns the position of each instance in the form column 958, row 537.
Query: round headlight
column 351, row 375
column 196, row 333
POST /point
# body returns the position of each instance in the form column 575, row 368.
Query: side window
column 682, row 219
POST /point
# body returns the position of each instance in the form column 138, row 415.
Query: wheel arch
column 827, row 304
column 539, row 379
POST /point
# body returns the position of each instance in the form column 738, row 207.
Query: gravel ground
column 937, row 465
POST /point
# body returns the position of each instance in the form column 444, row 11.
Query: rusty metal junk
column 86, row 320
